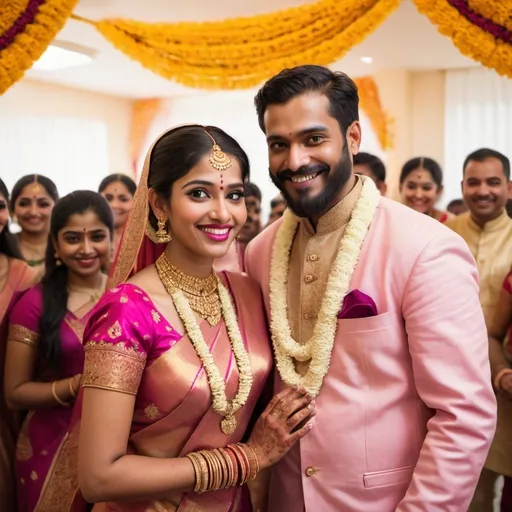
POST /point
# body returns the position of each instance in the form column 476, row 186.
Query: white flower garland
column 220, row 403
column 317, row 350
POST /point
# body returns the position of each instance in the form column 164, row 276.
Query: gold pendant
column 228, row 425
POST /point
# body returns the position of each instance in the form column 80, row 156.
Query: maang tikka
column 218, row 159
column 36, row 188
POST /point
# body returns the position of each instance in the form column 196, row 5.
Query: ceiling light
column 366, row 60
column 61, row 55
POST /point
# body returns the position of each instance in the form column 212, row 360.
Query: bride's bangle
column 222, row 468
column 56, row 398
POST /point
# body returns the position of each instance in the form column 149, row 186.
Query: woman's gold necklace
column 201, row 293
column 220, row 403
column 93, row 293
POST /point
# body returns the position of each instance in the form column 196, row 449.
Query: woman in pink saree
column 45, row 355
column 15, row 276
column 177, row 356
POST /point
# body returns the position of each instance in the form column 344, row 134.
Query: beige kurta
column 492, row 248
column 313, row 253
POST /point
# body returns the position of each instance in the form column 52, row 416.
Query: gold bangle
column 56, row 398
column 254, row 462
column 212, row 474
column 217, row 471
column 234, row 464
column 243, row 463
column 230, row 472
column 224, row 469
column 204, row 473
column 197, row 470
column 72, row 389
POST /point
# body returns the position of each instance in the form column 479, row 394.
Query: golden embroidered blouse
column 311, row 258
column 491, row 247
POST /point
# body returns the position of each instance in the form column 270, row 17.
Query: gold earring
column 58, row 261
column 162, row 235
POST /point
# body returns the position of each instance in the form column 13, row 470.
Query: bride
column 176, row 355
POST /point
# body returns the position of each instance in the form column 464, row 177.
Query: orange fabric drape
column 144, row 113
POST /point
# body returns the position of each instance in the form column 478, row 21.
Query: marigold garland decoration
column 369, row 102
column 480, row 29
column 243, row 52
column 27, row 27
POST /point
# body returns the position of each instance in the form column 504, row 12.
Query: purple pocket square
column 357, row 305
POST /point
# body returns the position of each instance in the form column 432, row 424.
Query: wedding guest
column 277, row 208
column 421, row 186
column 372, row 166
column 32, row 200
column 118, row 190
column 487, row 229
column 457, row 206
column 45, row 353
column 15, row 276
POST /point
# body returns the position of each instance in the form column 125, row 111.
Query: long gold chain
column 201, row 293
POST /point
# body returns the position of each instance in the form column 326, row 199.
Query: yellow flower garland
column 243, row 52
column 26, row 30
column 472, row 40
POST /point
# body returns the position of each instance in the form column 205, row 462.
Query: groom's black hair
column 339, row 88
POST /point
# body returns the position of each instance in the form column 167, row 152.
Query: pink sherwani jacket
column 407, row 412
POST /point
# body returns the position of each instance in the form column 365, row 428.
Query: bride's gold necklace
column 201, row 293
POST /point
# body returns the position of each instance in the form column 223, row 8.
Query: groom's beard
column 305, row 205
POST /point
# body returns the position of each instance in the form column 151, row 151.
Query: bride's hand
column 274, row 433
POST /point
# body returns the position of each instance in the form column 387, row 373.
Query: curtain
column 478, row 113
column 72, row 152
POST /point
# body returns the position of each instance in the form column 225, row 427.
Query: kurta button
column 313, row 257
column 311, row 471
column 308, row 278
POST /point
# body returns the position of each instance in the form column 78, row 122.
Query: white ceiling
column 405, row 40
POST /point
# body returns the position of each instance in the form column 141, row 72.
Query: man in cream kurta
column 396, row 428
column 487, row 229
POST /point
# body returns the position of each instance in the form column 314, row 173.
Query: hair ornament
column 218, row 159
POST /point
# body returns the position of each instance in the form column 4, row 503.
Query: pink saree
column 131, row 348
column 20, row 277
column 43, row 430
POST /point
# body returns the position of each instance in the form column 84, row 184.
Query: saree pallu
column 20, row 277
column 44, row 430
column 131, row 348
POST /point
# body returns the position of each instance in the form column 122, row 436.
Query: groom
column 374, row 309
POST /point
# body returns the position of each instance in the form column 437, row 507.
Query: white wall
column 74, row 137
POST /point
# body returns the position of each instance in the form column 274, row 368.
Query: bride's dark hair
column 179, row 150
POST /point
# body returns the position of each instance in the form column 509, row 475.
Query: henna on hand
column 287, row 418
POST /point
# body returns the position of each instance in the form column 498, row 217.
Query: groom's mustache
column 288, row 174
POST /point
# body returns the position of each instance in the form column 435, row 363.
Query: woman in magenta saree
column 177, row 357
column 15, row 276
column 45, row 354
